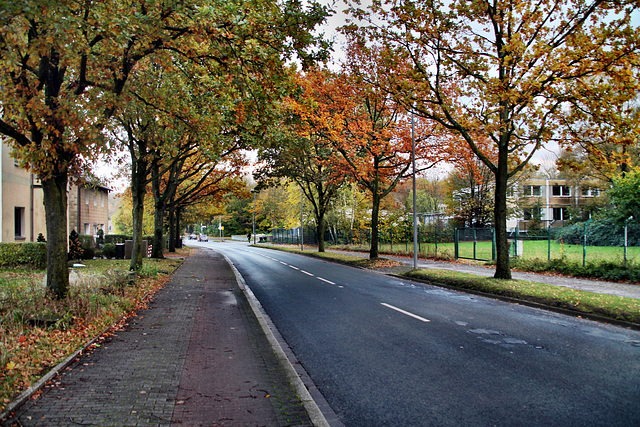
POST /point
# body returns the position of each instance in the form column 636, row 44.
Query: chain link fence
column 577, row 243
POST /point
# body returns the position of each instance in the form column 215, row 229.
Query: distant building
column 22, row 215
column 551, row 200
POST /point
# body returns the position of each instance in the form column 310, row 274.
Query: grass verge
column 37, row 331
column 582, row 302
column 604, row 305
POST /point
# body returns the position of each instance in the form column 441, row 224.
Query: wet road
column 384, row 351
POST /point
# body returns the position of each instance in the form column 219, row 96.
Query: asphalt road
column 385, row 351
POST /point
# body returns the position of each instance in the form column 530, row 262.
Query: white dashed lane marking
column 399, row 310
column 298, row 269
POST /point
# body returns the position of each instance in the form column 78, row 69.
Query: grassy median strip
column 610, row 306
column 37, row 331
column 604, row 305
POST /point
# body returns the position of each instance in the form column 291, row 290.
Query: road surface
column 386, row 351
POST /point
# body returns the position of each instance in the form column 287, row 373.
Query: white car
column 203, row 238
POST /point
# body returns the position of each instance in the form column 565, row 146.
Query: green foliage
column 625, row 195
column 19, row 254
column 109, row 250
column 602, row 232
column 613, row 271
column 88, row 247
column 116, row 238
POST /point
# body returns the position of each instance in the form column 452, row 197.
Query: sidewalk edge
column 313, row 409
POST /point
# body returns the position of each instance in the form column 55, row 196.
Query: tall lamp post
column 301, row 219
column 415, row 223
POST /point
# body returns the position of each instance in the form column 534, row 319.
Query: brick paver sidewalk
column 196, row 356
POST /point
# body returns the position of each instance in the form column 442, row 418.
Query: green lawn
column 531, row 249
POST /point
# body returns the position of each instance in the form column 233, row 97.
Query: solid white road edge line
column 399, row 310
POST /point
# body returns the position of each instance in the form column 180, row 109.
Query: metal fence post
column 475, row 240
column 493, row 244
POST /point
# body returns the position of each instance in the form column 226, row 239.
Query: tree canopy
column 503, row 71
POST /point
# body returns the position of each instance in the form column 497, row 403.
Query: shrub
column 17, row 254
column 75, row 245
column 88, row 247
column 601, row 232
column 109, row 250
column 116, row 238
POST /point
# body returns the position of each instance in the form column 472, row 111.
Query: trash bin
column 119, row 250
column 178, row 243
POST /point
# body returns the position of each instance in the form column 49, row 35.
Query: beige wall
column 19, row 198
column 18, row 191
column 88, row 209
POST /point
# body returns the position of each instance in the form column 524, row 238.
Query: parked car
column 192, row 237
column 203, row 238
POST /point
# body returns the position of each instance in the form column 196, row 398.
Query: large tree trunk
column 503, row 269
column 138, row 190
column 158, row 232
column 375, row 211
column 55, row 203
column 172, row 230
column 321, row 230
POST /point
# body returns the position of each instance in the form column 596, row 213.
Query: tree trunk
column 375, row 210
column 172, row 230
column 138, row 190
column 160, row 206
column 158, row 232
column 55, row 204
column 503, row 269
column 321, row 231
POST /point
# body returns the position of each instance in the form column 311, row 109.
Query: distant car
column 203, row 238
column 192, row 237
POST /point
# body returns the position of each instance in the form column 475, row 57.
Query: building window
column 87, row 228
column 590, row 192
column 561, row 190
column 532, row 190
column 560, row 214
column 102, row 199
column 19, row 222
column 87, row 195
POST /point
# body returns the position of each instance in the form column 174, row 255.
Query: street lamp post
column 301, row 219
column 415, row 223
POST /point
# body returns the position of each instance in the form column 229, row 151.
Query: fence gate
column 475, row 243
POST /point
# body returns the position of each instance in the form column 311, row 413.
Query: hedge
column 116, row 238
column 601, row 232
column 17, row 254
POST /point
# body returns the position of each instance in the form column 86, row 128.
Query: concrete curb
column 294, row 374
